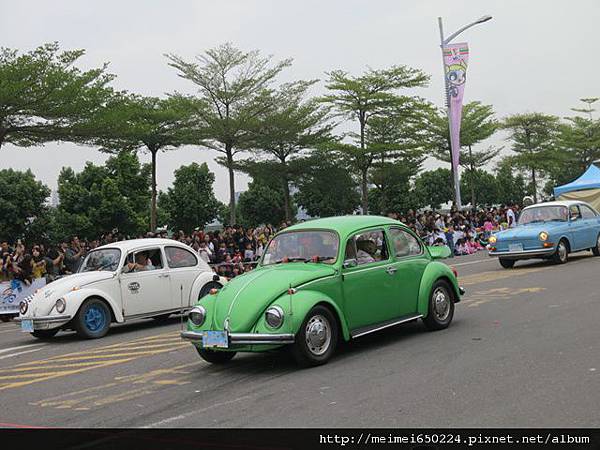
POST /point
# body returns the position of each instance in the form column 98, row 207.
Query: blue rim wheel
column 95, row 318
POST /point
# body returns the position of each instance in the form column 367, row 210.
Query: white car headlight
column 274, row 316
column 197, row 315
column 23, row 306
column 60, row 305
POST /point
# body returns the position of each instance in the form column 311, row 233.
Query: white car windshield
column 101, row 259
column 539, row 214
column 302, row 246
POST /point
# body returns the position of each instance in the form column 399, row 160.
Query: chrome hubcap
column 562, row 251
column 441, row 304
column 318, row 334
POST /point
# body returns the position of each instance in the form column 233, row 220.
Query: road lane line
column 12, row 355
column 11, row 331
column 4, row 350
column 479, row 261
column 198, row 411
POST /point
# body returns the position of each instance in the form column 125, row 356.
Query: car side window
column 370, row 247
column 143, row 261
column 178, row 257
column 350, row 249
column 404, row 243
column 574, row 212
column 587, row 212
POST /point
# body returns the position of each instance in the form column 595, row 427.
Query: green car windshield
column 543, row 214
column 302, row 246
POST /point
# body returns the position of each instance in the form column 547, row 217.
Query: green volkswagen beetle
column 323, row 281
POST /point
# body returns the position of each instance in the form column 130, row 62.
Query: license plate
column 27, row 326
column 215, row 339
column 515, row 247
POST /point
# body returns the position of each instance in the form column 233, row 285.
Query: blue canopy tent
column 585, row 188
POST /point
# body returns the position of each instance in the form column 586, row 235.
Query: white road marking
column 198, row 411
column 12, row 355
column 20, row 347
column 479, row 261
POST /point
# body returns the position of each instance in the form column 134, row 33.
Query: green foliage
column 22, row 204
column 261, row 204
column 482, row 184
column 44, row 97
column 510, row 188
column 233, row 91
column 477, row 124
column 191, row 202
column 534, row 140
column 325, row 187
column 433, row 188
column 100, row 198
column 364, row 97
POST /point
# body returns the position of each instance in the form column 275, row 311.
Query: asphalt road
column 523, row 350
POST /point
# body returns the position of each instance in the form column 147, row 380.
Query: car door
column 368, row 283
column 183, row 270
column 577, row 228
column 145, row 288
column 592, row 225
column 410, row 263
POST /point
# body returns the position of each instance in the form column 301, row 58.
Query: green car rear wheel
column 441, row 306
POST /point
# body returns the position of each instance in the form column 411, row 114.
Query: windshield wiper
column 292, row 259
column 319, row 259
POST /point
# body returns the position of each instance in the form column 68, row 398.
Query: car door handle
column 391, row 270
column 163, row 275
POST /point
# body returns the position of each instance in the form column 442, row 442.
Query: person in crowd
column 74, row 254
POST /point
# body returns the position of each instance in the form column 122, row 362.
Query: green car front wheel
column 317, row 338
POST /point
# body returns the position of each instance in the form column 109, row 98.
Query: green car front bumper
column 244, row 338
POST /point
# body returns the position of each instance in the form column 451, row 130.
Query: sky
column 538, row 55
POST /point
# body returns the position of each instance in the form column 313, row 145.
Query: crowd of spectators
column 234, row 250
column 230, row 251
column 464, row 232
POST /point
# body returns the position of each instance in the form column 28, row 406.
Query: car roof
column 566, row 203
column 344, row 225
column 136, row 243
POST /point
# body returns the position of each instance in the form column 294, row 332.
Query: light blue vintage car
column 549, row 230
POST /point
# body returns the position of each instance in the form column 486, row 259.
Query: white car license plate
column 515, row 247
column 27, row 325
column 215, row 339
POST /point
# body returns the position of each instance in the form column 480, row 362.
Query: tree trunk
column 534, row 185
column 153, row 151
column 229, row 153
column 364, row 182
column 286, row 193
column 472, row 178
column 365, row 191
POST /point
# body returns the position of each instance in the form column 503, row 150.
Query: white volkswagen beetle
column 119, row 282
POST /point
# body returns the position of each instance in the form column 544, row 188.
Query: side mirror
column 439, row 251
column 352, row 262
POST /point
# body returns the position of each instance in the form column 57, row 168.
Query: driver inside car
column 365, row 249
column 142, row 263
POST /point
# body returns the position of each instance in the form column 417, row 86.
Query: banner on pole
column 456, row 57
column 12, row 292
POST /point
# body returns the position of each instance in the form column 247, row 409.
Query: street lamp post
column 443, row 42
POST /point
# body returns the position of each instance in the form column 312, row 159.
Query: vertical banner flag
column 456, row 57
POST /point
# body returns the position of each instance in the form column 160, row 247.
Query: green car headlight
column 274, row 316
column 197, row 315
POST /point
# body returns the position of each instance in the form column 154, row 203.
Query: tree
column 482, row 184
column 22, row 203
column 234, row 90
column 191, row 202
column 510, row 188
column 325, row 187
column 392, row 188
column 293, row 126
column 101, row 198
column 434, row 187
column 533, row 137
column 366, row 96
column 137, row 123
column 44, row 97
column 477, row 124
column 262, row 204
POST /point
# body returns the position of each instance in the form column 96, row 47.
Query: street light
column 443, row 42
